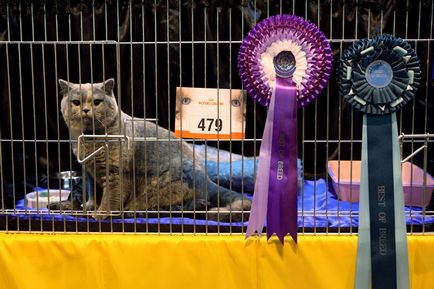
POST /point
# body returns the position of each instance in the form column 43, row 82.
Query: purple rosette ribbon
column 284, row 63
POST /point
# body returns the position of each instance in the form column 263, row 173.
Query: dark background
column 147, row 73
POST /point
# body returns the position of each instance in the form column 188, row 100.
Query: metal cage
column 152, row 47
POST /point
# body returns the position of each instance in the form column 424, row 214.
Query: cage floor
column 319, row 211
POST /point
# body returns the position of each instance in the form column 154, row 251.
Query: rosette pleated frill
column 284, row 63
column 378, row 76
column 398, row 64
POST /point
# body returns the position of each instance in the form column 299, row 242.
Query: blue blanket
column 318, row 206
column 232, row 170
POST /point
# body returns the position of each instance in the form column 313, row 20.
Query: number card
column 209, row 113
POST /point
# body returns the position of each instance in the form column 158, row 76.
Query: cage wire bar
column 152, row 47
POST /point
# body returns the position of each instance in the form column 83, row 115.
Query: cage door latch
column 106, row 138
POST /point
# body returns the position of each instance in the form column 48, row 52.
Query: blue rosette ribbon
column 378, row 76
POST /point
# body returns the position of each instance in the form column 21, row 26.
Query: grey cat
column 147, row 175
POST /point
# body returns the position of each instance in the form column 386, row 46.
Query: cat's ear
column 64, row 86
column 108, row 86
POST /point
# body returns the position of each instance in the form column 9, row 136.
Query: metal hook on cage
column 136, row 119
column 105, row 138
column 426, row 137
column 82, row 161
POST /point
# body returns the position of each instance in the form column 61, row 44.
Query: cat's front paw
column 90, row 205
column 66, row 205
column 99, row 216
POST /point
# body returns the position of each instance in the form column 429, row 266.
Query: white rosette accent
column 267, row 65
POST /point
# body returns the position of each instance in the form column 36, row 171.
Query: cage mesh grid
column 150, row 48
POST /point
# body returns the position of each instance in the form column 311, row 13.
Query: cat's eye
column 235, row 102
column 76, row 102
column 185, row 100
column 97, row 102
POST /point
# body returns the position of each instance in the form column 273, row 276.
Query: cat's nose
column 86, row 110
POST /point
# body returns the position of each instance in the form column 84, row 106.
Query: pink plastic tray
column 346, row 183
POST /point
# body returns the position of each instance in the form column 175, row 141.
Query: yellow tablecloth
column 144, row 261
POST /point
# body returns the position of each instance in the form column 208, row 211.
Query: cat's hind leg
column 228, row 205
column 161, row 193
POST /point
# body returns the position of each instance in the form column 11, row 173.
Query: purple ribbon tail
column 258, row 211
column 283, row 178
column 275, row 197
